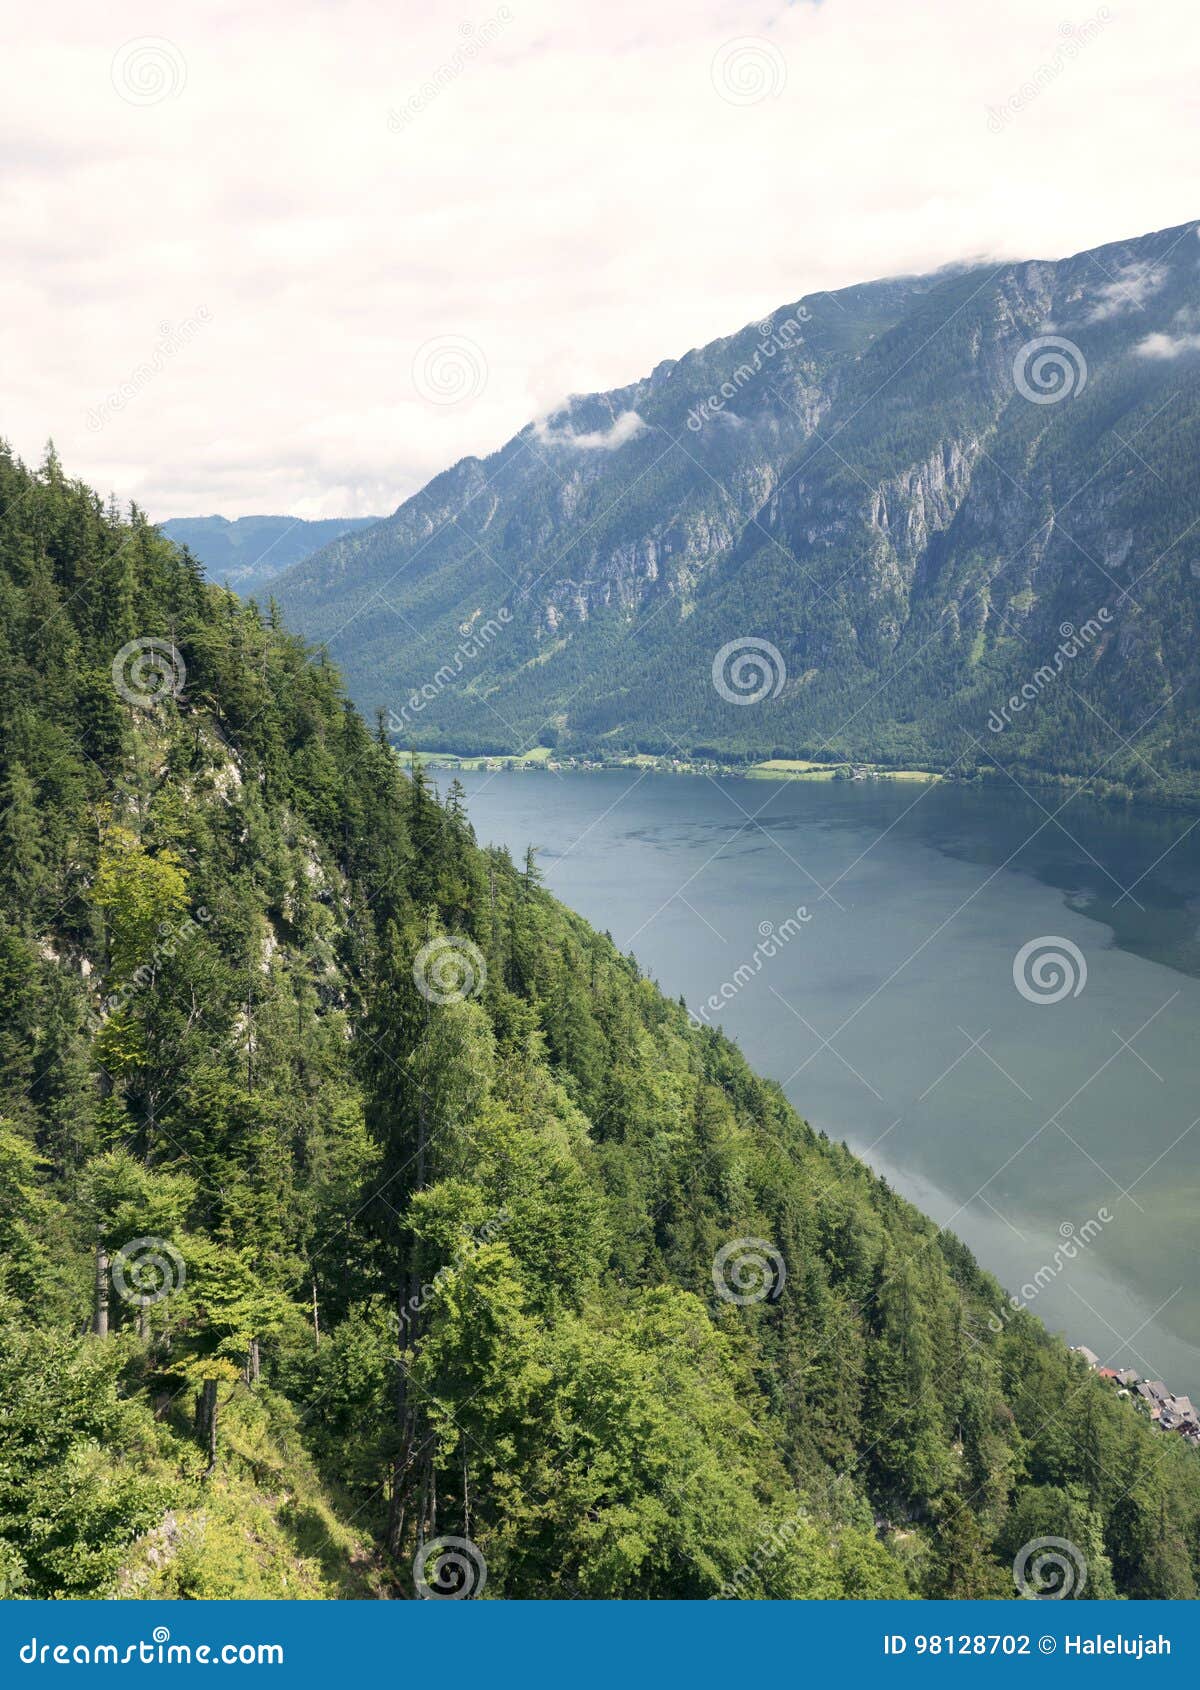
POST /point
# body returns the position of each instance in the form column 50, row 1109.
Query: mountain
column 252, row 550
column 353, row 1191
column 948, row 521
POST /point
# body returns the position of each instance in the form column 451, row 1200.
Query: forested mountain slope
column 917, row 491
column 353, row 1192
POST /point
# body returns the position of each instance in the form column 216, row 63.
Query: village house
column 1169, row 1412
column 1154, row 1394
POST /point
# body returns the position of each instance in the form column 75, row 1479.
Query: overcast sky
column 296, row 257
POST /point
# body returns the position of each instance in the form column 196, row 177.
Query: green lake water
column 892, row 1017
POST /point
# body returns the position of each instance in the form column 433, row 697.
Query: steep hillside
column 356, row 1193
column 249, row 552
column 927, row 497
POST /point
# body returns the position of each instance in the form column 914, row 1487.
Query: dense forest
column 356, row 1194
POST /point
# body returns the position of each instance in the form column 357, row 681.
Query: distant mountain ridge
column 888, row 510
column 248, row 551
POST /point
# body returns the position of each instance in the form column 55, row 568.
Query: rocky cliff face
column 907, row 509
column 908, row 488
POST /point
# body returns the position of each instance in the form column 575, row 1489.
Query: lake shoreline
column 543, row 759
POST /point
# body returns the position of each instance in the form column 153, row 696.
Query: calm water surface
column 892, row 1018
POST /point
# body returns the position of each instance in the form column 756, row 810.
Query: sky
column 289, row 257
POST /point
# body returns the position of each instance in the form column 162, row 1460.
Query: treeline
column 354, row 1193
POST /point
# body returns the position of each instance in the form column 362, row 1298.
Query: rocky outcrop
column 907, row 509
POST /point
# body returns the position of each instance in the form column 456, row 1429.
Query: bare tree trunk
column 316, row 1317
column 250, row 1023
column 254, row 1364
column 406, row 1431
column 406, row 1418
column 100, row 1316
column 422, row 1119
column 398, row 1506
column 423, row 1513
column 206, row 1420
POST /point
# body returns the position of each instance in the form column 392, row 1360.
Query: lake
column 994, row 1005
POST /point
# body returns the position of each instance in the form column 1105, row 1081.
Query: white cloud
column 1128, row 290
column 581, row 197
column 1167, row 346
column 623, row 428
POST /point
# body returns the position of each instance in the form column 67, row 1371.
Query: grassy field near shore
column 772, row 768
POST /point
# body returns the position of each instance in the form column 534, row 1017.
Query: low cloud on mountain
column 624, row 427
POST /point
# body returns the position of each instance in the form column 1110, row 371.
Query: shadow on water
column 1136, row 871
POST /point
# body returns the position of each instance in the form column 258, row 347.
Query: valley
column 357, row 1190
